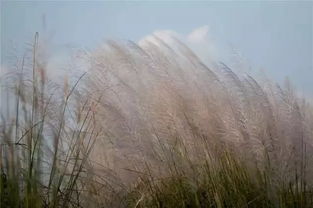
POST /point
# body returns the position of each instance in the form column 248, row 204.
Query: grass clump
column 152, row 126
column 44, row 148
column 227, row 182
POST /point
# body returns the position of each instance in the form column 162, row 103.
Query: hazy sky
column 274, row 36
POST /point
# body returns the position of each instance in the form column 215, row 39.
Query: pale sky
column 273, row 36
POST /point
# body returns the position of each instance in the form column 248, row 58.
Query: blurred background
column 275, row 37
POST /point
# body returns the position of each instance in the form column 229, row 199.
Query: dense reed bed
column 151, row 125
